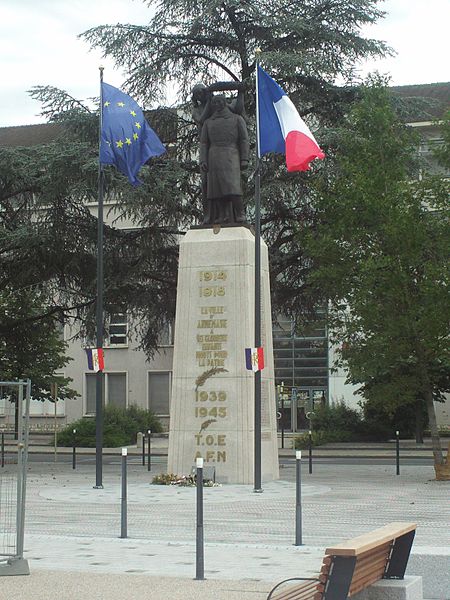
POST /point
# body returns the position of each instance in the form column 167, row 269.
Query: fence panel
column 15, row 405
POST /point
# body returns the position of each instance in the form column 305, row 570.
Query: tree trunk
column 441, row 466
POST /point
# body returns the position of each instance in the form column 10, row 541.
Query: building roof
column 162, row 120
column 426, row 101
column 29, row 135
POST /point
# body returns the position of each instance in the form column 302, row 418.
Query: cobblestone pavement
column 337, row 502
column 72, row 527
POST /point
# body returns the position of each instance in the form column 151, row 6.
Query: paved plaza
column 74, row 551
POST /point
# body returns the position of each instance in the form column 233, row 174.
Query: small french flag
column 96, row 359
column 254, row 359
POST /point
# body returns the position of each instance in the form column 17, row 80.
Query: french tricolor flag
column 96, row 359
column 254, row 359
column 280, row 127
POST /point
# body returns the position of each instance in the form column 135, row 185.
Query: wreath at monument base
column 181, row 480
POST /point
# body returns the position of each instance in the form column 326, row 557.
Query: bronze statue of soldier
column 224, row 152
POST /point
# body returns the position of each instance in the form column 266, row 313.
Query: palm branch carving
column 207, row 374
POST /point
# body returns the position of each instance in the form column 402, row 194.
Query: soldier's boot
column 238, row 209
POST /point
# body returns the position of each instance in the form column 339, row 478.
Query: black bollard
column 298, row 499
column 74, row 451
column 199, row 554
column 123, row 504
column 149, row 457
column 310, row 451
column 397, row 451
column 3, row 449
column 143, row 449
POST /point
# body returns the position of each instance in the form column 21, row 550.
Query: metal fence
column 15, row 406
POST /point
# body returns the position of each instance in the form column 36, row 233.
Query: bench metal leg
column 399, row 556
column 339, row 578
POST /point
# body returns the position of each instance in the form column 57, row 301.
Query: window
column 90, row 393
column 166, row 335
column 45, row 408
column 117, row 389
column 301, row 353
column 159, row 385
column 114, row 390
column 118, row 330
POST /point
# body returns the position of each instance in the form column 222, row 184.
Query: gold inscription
column 212, row 290
column 212, row 310
column 212, row 275
column 211, row 351
column 212, row 456
column 212, row 324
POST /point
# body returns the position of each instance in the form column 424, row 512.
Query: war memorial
column 212, row 406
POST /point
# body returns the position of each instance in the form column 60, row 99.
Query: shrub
column 321, row 437
column 378, row 418
column 336, row 417
column 120, row 428
column 444, row 431
column 339, row 423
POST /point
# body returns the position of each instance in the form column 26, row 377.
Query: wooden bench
column 354, row 565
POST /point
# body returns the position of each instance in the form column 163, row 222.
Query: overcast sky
column 39, row 46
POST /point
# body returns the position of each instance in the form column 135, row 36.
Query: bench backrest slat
column 366, row 542
column 367, row 574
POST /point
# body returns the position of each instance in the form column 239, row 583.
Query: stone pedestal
column 212, row 404
column 409, row 588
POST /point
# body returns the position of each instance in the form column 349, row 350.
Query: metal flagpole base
column 14, row 566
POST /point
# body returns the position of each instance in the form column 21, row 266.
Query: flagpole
column 257, row 424
column 99, row 312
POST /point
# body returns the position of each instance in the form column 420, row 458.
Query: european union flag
column 127, row 140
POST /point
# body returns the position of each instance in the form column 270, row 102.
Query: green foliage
column 336, row 417
column 304, row 45
column 442, row 151
column 382, row 250
column 120, row 427
column 319, row 438
column 405, row 418
column 48, row 235
column 339, row 423
column 31, row 346
column 444, row 432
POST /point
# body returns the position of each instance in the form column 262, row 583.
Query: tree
column 31, row 346
column 48, row 235
column 305, row 46
column 383, row 249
